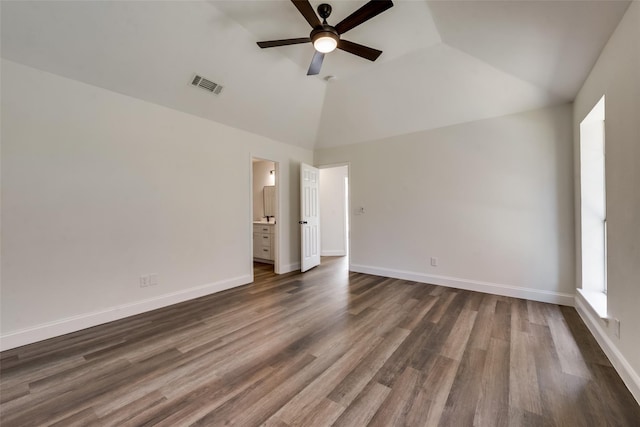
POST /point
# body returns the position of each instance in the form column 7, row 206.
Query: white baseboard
column 335, row 252
column 596, row 326
column 470, row 285
column 87, row 320
column 287, row 268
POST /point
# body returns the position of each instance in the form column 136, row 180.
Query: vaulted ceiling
column 444, row 62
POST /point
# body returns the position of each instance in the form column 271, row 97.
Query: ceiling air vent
column 205, row 84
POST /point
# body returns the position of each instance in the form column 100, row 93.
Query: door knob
column 302, row 222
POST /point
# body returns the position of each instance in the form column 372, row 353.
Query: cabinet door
column 257, row 245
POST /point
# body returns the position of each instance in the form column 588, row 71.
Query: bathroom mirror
column 269, row 197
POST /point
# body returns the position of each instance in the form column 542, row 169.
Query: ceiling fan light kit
column 326, row 38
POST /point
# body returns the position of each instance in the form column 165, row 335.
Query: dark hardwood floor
column 326, row 347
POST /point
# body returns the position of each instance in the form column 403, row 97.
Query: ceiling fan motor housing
column 324, row 31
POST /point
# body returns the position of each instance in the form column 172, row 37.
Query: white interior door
column 310, row 217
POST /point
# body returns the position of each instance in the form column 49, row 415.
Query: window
column 593, row 207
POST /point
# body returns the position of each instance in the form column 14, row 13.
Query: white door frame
column 277, row 262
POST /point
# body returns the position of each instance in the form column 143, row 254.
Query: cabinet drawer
column 263, row 252
column 260, row 228
column 265, row 239
column 260, row 239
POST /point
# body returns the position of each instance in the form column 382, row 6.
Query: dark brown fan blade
column 307, row 11
column 366, row 12
column 285, row 42
column 357, row 49
column 316, row 64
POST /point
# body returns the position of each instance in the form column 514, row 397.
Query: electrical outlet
column 144, row 281
column 434, row 261
column 616, row 328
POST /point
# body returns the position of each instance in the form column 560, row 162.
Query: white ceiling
column 444, row 62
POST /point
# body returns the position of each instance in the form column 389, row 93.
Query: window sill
column 597, row 301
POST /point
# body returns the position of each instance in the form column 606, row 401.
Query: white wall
column 333, row 224
column 616, row 75
column 467, row 89
column 492, row 200
column 99, row 188
column 261, row 177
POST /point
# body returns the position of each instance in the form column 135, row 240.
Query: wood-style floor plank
column 492, row 409
column 396, row 407
column 365, row 406
column 327, row 347
column 524, row 391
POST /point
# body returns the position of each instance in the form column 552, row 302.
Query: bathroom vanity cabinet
column 263, row 236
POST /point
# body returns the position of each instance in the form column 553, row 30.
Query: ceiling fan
column 326, row 38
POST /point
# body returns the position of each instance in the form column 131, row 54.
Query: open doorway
column 334, row 211
column 264, row 216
